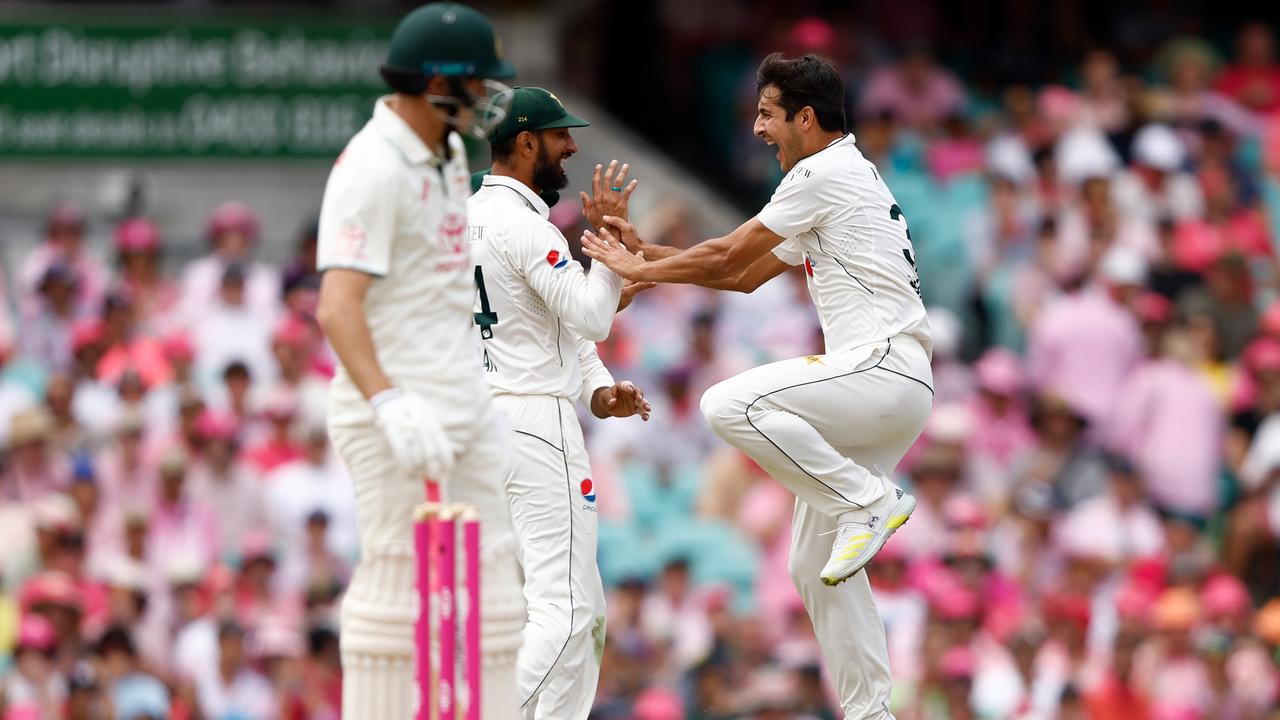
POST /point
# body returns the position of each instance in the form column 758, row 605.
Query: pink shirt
column 1168, row 420
column 180, row 532
column 887, row 90
column 1083, row 347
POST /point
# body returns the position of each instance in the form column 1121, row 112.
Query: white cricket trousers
column 831, row 428
column 553, row 506
column 381, row 603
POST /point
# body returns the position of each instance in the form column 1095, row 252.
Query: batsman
column 409, row 402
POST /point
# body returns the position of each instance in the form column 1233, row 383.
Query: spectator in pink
column 181, row 525
column 914, row 89
column 126, row 477
column 1167, row 419
column 1254, row 79
column 128, row 347
column 1001, row 428
column 35, row 468
column 1103, row 102
column 1085, row 344
column 140, row 253
column 280, row 446
column 232, row 233
column 1118, row 526
column 223, row 483
column 1167, row 667
column 64, row 244
column 47, row 328
column 35, row 687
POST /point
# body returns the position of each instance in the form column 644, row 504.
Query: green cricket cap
column 533, row 108
column 448, row 39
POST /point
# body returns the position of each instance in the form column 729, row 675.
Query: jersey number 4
column 895, row 213
column 486, row 318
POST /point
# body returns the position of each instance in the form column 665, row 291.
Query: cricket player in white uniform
column 829, row 427
column 540, row 316
column 409, row 403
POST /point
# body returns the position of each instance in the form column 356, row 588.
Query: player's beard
column 548, row 175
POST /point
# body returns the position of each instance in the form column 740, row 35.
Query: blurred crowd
column 1099, row 484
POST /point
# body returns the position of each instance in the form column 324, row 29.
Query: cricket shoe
column 861, row 533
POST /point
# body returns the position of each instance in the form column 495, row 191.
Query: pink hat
column 1262, row 355
column 1270, row 321
column 275, row 636
column 291, row 331
column 36, row 633
column 65, row 215
column 812, row 34
column 233, row 216
column 1071, row 608
column 1224, row 594
column 1153, row 308
column 50, row 587
column 958, row 663
column 280, row 404
column 658, row 704
column 214, row 425
column 178, row 346
column 963, row 511
column 87, row 332
column 137, row 235
column 999, row 371
column 1133, row 601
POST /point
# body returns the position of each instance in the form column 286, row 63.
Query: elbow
column 328, row 311
column 596, row 329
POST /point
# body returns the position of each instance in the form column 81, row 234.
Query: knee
column 723, row 408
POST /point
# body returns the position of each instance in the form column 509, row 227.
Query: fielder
column 540, row 316
column 408, row 402
column 829, row 427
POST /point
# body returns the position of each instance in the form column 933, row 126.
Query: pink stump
column 471, row 641
column 447, row 572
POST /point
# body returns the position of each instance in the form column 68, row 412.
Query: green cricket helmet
column 447, row 39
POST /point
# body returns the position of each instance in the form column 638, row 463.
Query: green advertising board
column 166, row 86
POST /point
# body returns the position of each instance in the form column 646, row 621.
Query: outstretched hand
column 621, row 400
column 610, row 195
column 605, row 248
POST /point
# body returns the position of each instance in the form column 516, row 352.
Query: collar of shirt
column 394, row 128
column 526, row 193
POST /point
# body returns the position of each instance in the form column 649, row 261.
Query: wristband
column 384, row 397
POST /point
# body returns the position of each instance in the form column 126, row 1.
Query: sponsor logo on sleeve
column 556, row 260
column 808, row 264
column 589, row 494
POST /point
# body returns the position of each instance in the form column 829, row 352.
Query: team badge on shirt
column 556, row 260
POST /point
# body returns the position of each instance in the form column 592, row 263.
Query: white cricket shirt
column 538, row 313
column 394, row 210
column 842, row 223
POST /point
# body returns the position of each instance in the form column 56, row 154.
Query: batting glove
column 418, row 441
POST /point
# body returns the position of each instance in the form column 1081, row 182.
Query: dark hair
column 405, row 82
column 502, row 150
column 811, row 81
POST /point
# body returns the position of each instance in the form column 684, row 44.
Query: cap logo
column 522, row 118
column 553, row 97
column 449, row 16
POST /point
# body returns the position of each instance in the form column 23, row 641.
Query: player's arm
column 719, row 260
column 761, row 271
column 341, row 316
column 601, row 394
column 586, row 302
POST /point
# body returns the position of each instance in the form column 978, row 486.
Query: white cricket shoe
column 862, row 533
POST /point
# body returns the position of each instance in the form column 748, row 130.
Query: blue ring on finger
column 615, row 188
